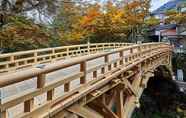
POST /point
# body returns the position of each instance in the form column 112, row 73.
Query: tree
column 152, row 21
column 66, row 23
column 74, row 21
column 176, row 17
column 23, row 34
column 135, row 14
column 106, row 22
column 20, row 7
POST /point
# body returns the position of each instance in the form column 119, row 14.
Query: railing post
column 12, row 58
column 29, row 104
column 139, row 51
column 67, row 49
column 53, row 55
column 103, row 47
column 150, row 49
column 96, row 48
column 131, row 53
column 115, row 45
column 88, row 48
column 41, row 80
column 83, row 69
column 131, row 50
column 35, row 57
column 121, row 57
column 106, row 61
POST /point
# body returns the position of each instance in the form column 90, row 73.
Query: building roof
column 164, row 27
column 183, row 33
column 167, row 6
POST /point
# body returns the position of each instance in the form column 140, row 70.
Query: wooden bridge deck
column 39, row 90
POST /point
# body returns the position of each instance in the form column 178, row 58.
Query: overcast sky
column 157, row 3
column 154, row 5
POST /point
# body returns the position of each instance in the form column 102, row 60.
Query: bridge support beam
column 84, row 111
column 102, row 109
column 120, row 104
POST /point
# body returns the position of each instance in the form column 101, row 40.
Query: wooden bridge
column 91, row 81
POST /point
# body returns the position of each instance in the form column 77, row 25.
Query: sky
column 157, row 3
column 154, row 4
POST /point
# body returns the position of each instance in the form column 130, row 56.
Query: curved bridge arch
column 160, row 94
column 111, row 87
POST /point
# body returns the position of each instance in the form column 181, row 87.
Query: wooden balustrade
column 13, row 61
column 136, row 53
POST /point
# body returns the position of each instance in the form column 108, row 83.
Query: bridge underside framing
column 113, row 93
column 120, row 96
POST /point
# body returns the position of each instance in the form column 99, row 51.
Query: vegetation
column 162, row 98
column 35, row 24
column 108, row 22
column 179, row 63
column 152, row 21
column 32, row 24
column 174, row 16
column 23, row 34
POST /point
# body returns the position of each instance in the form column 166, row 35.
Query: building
column 174, row 33
column 160, row 12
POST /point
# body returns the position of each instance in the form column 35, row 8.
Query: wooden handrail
column 33, row 72
column 17, row 60
column 138, row 51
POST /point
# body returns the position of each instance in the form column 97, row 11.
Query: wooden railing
column 13, row 61
column 127, row 57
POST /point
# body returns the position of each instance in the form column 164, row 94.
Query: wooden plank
column 127, row 83
column 19, row 98
column 61, row 114
column 120, row 104
column 3, row 114
column 84, row 111
column 83, row 68
column 41, row 80
column 110, row 113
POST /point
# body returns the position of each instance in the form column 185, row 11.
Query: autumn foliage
column 23, row 34
column 176, row 17
column 76, row 23
column 108, row 22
